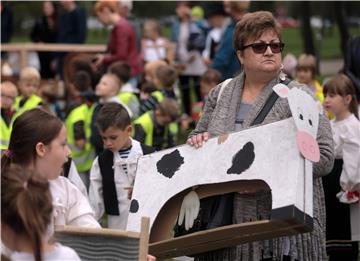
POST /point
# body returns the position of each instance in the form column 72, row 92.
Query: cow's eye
column 301, row 117
column 310, row 122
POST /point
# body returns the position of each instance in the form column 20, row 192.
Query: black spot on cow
column 243, row 159
column 134, row 206
column 170, row 163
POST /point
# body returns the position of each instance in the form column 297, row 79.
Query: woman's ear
column 240, row 56
column 40, row 149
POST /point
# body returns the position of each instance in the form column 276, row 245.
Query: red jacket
column 122, row 47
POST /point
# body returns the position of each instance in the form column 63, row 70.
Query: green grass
column 329, row 45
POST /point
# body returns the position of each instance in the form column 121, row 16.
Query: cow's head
column 305, row 111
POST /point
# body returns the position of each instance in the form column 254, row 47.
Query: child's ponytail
column 26, row 205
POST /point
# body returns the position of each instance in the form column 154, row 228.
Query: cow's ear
column 320, row 107
column 282, row 90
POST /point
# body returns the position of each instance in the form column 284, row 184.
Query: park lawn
column 329, row 45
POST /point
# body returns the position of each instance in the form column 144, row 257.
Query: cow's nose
column 308, row 146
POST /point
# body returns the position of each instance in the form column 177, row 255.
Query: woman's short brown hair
column 253, row 25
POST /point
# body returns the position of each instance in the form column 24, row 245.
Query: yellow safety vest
column 125, row 97
column 83, row 159
column 158, row 95
column 147, row 124
column 5, row 132
column 32, row 102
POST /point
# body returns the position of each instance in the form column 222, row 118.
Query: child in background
column 306, row 73
column 209, row 80
column 26, row 211
column 150, row 69
column 342, row 185
column 29, row 83
column 49, row 95
column 153, row 44
column 127, row 92
column 108, row 89
column 164, row 80
column 78, row 125
column 9, row 93
column 113, row 172
column 152, row 128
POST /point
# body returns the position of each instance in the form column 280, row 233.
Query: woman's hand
column 198, row 139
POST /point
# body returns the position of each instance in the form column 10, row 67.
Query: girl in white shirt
column 342, row 185
column 153, row 44
column 25, row 216
column 38, row 142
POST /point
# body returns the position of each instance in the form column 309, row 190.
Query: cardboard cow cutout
column 267, row 154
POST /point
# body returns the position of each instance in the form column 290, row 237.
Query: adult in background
column 122, row 42
column 218, row 20
column 225, row 60
column 71, row 29
column 6, row 24
column 45, row 31
column 258, row 45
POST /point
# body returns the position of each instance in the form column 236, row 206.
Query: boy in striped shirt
column 113, row 172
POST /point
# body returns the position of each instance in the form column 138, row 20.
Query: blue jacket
column 197, row 35
column 72, row 27
column 225, row 60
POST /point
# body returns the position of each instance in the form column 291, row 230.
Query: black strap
column 147, row 149
column 268, row 105
column 106, row 162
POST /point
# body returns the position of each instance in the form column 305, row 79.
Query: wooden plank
column 226, row 236
column 53, row 47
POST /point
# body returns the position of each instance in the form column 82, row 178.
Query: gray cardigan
column 219, row 118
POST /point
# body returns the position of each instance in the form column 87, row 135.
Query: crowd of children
column 105, row 128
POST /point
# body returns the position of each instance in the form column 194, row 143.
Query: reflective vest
column 125, row 97
column 32, row 102
column 5, row 132
column 83, row 159
column 158, row 95
column 173, row 126
column 147, row 124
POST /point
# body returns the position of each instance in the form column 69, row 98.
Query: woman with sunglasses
column 257, row 40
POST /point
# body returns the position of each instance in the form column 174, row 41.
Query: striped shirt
column 124, row 154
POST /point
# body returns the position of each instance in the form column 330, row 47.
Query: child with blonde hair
column 153, row 44
column 29, row 84
column 9, row 93
column 306, row 72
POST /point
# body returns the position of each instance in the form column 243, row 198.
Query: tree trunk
column 339, row 11
column 309, row 47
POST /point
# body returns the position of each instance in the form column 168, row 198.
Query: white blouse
column 71, row 207
column 346, row 134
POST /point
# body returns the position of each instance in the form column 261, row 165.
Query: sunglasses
column 262, row 47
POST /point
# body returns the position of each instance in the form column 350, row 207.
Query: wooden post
column 144, row 238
